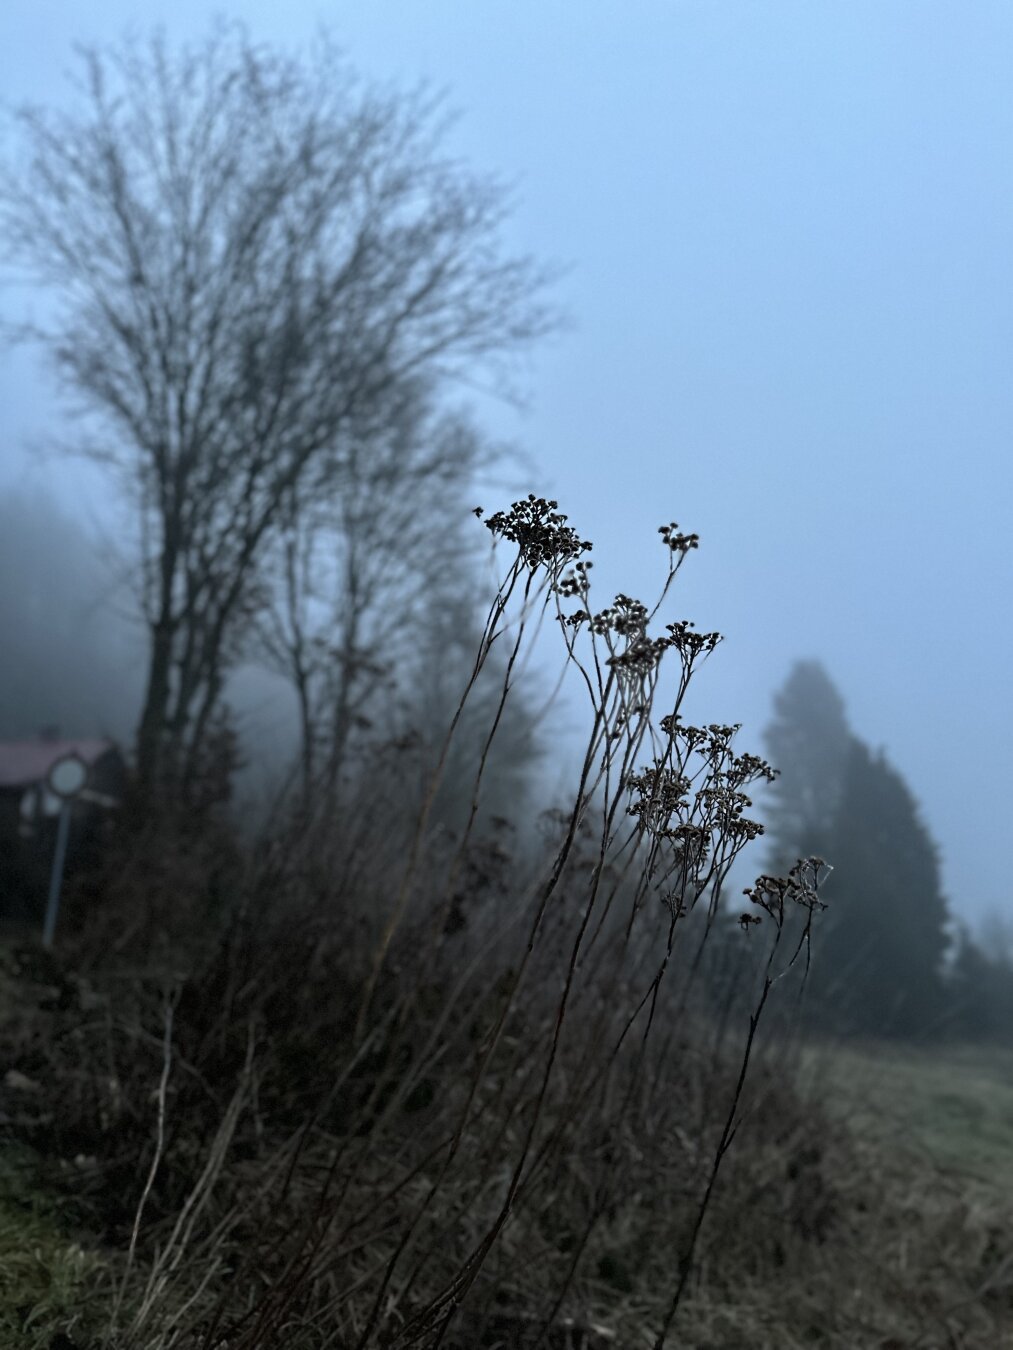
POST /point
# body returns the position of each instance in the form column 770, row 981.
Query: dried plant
column 456, row 1063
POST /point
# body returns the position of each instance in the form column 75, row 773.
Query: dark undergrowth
column 375, row 1083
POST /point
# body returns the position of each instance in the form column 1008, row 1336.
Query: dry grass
column 406, row 1089
column 852, row 1213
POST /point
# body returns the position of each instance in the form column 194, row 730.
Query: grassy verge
column 409, row 1087
column 915, row 1170
column 47, row 1277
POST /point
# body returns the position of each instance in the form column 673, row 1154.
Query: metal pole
column 56, row 876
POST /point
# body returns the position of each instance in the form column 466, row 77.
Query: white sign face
column 67, row 776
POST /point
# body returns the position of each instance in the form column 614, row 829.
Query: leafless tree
column 358, row 571
column 249, row 255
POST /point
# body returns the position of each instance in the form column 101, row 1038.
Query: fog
column 784, row 235
column 433, row 958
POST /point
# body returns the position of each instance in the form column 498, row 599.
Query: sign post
column 65, row 780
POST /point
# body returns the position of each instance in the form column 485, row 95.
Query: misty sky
column 788, row 235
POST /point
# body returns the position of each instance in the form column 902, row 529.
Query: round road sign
column 67, row 776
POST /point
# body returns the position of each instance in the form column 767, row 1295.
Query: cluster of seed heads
column 575, row 583
column 539, row 530
column 660, row 794
column 624, row 616
column 775, row 894
column 689, row 643
column 724, row 807
column 678, row 543
column 714, row 744
column 641, row 655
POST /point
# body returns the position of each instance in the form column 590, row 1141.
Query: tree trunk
column 151, row 729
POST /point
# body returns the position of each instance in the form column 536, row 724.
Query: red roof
column 23, row 763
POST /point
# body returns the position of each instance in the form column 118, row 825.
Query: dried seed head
column 540, row 531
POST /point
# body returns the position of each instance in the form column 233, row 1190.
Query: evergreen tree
column 880, row 962
column 981, row 990
column 878, row 957
column 808, row 742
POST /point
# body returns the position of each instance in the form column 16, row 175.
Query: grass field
column 951, row 1106
column 929, row 1254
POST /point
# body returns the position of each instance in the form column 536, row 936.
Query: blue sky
column 788, row 233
